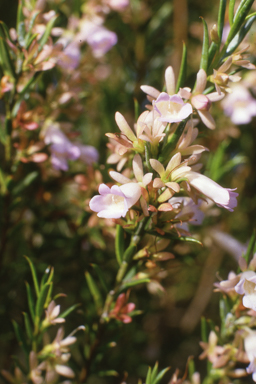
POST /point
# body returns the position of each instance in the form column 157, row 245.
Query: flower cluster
column 165, row 163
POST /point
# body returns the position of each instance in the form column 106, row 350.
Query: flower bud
column 201, row 102
column 214, row 34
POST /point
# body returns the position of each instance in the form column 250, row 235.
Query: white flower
column 172, row 109
column 223, row 197
column 115, row 202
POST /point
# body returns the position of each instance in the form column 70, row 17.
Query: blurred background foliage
column 54, row 229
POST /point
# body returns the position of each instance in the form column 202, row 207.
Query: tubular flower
column 223, row 197
column 172, row 109
column 115, row 202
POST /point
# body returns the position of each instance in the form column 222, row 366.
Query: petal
column 104, row 189
column 174, row 162
column 132, row 192
column 209, row 188
column 215, row 96
column 137, row 167
column 147, row 178
column 119, row 177
column 201, row 80
column 64, row 371
column 207, row 119
column 170, row 80
column 157, row 166
column 151, row 91
column 124, row 126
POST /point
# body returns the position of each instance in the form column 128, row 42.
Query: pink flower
column 115, row 202
column 101, row 40
column 118, row 5
column 62, row 149
column 172, row 109
column 239, row 105
column 122, row 308
column 70, row 57
column 88, row 154
column 223, row 197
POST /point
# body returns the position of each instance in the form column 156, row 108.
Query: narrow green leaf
column 183, row 69
column 69, row 310
column 136, row 109
column 231, row 11
column 49, row 295
column 204, row 332
column 34, row 276
column 94, row 290
column 20, row 337
column 239, row 19
column 100, row 276
column 171, row 236
column 132, row 283
column 191, row 368
column 3, row 183
column 212, row 51
column 119, row 244
column 31, row 303
column 45, row 277
column 20, row 24
column 148, row 378
column 4, row 31
column 240, row 35
column 25, row 182
column 28, row 326
column 30, row 84
column 5, row 59
column 247, row 256
column 161, row 375
column 50, row 274
column 129, row 253
column 31, row 39
column 221, row 18
column 154, row 372
column 205, row 48
column 31, row 24
column 40, row 304
column 42, row 41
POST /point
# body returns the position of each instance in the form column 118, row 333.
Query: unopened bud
column 214, row 34
column 201, row 102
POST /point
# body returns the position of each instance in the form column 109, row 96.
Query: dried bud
column 214, row 34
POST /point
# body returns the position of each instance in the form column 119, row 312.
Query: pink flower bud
column 201, row 102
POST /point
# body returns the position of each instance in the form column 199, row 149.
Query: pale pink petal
column 207, row 119
column 119, row 177
column 151, row 91
column 170, row 80
column 157, row 166
column 174, row 162
column 124, row 126
column 201, row 80
column 137, row 167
